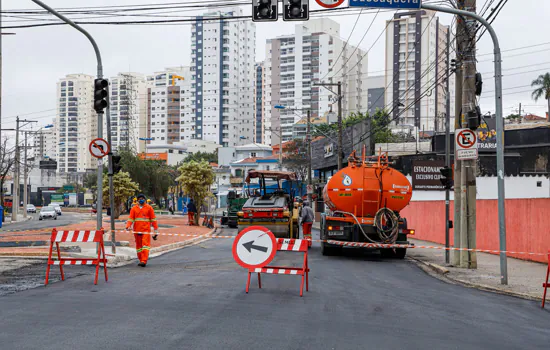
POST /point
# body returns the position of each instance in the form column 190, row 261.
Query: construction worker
column 191, row 211
column 307, row 221
column 142, row 216
column 134, row 202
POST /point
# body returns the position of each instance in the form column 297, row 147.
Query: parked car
column 57, row 208
column 31, row 208
column 47, row 213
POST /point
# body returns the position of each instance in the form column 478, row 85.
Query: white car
column 57, row 208
column 31, row 208
column 47, row 213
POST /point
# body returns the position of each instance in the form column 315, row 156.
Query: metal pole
column 280, row 150
column 340, row 142
column 447, row 151
column 110, row 174
column 99, row 204
column 309, row 175
column 25, row 180
column 15, row 194
column 500, row 132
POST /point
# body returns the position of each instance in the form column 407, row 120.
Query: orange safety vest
column 142, row 218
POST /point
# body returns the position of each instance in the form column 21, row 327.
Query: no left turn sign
column 329, row 4
column 99, row 148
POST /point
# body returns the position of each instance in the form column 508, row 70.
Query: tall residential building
column 45, row 143
column 294, row 63
column 169, row 116
column 76, row 123
column 222, row 87
column 376, row 93
column 259, row 125
column 128, row 103
column 416, row 63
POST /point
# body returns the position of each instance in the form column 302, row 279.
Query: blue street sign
column 390, row 4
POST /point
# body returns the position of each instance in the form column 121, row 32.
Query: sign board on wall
column 487, row 135
column 389, row 4
column 426, row 175
column 329, row 150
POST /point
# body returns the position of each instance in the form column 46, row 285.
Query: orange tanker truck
column 364, row 200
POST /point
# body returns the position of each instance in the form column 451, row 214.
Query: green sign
column 68, row 188
column 57, row 198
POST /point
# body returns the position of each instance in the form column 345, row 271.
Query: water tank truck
column 364, row 201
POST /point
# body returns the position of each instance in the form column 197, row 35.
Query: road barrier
column 288, row 245
column 546, row 284
column 74, row 237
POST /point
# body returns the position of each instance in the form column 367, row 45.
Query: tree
column 124, row 187
column 7, row 161
column 200, row 156
column 196, row 178
column 513, row 117
column 295, row 158
column 542, row 84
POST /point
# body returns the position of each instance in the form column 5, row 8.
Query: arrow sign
column 99, row 148
column 250, row 245
column 255, row 246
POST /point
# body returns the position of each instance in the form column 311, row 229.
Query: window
column 253, row 154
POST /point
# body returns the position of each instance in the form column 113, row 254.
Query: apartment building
column 128, row 105
column 222, row 87
column 76, row 123
column 295, row 63
column 259, row 123
column 416, row 64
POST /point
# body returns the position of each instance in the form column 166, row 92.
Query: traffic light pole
column 110, row 174
column 99, row 204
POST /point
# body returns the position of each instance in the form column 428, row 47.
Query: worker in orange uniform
column 142, row 217
column 191, row 212
column 307, row 221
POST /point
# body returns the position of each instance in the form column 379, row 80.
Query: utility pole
column 447, row 148
column 468, row 168
column 520, row 109
column 26, row 175
column 15, row 194
column 309, row 175
column 340, row 126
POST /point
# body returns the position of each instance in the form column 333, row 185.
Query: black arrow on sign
column 250, row 245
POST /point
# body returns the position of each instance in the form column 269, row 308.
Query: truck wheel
column 400, row 253
column 387, row 253
column 328, row 250
column 232, row 225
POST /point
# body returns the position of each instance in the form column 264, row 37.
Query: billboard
column 57, row 198
column 487, row 135
column 426, row 175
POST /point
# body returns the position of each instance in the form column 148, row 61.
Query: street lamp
column 146, row 139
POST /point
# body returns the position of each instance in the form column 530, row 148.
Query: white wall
column 516, row 187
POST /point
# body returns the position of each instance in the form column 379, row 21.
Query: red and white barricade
column 546, row 285
column 290, row 245
column 73, row 237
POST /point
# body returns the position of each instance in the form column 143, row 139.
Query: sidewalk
column 37, row 242
column 525, row 278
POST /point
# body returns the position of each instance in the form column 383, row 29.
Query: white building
column 169, row 114
column 228, row 155
column 294, row 63
column 45, row 143
column 176, row 152
column 222, row 65
column 76, row 123
column 128, row 105
column 416, row 46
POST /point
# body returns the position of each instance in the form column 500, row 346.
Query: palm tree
column 543, row 89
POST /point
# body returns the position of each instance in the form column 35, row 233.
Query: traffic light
column 264, row 11
column 447, row 177
column 116, row 164
column 100, row 94
column 295, row 10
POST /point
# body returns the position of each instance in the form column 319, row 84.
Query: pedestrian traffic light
column 100, row 94
column 295, row 10
column 116, row 164
column 447, row 177
column 264, row 11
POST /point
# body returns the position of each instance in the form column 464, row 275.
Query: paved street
column 194, row 299
column 35, row 224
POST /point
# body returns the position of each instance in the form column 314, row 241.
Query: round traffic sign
column 466, row 139
column 329, row 4
column 255, row 246
column 99, row 148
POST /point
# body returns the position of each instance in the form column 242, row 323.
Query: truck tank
column 363, row 188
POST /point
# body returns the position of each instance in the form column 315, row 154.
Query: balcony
column 236, row 180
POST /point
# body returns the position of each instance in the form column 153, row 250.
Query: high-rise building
column 222, row 85
column 416, row 64
column 259, row 125
column 128, row 106
column 76, row 123
column 294, row 63
column 376, row 93
column 169, row 116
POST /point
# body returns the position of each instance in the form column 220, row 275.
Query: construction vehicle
column 235, row 204
column 273, row 205
column 364, row 201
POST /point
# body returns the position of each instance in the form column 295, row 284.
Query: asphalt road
column 35, row 224
column 194, row 299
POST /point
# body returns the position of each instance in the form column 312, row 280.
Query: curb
column 442, row 274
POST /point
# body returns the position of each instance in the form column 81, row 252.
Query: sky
column 35, row 59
